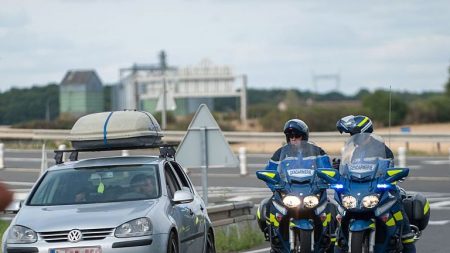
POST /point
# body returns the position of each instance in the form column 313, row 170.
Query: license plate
column 77, row 250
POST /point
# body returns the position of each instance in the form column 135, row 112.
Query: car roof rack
column 166, row 151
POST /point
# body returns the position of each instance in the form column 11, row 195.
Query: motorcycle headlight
column 291, row 201
column 20, row 234
column 370, row 201
column 137, row 227
column 349, row 202
column 311, row 201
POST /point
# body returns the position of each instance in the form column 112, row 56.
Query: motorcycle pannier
column 418, row 210
column 115, row 130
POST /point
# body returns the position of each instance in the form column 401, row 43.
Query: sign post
column 204, row 147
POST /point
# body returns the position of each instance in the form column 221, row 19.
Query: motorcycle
column 298, row 217
column 369, row 201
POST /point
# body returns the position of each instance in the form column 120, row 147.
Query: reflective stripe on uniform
column 398, row 216
column 408, row 241
column 328, row 219
column 390, row 222
column 273, row 220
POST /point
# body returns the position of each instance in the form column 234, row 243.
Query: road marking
column 433, row 179
column 440, row 204
column 438, row 222
column 440, row 162
column 23, row 159
column 30, row 170
column 18, row 183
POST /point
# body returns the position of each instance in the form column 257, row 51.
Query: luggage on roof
column 115, row 130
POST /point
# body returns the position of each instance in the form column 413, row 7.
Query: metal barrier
column 226, row 214
column 233, row 137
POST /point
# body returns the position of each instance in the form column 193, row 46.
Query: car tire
column 210, row 245
column 172, row 243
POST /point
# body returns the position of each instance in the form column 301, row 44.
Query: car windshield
column 97, row 185
column 363, row 153
column 298, row 162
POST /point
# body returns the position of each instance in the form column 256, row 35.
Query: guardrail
column 230, row 213
column 232, row 137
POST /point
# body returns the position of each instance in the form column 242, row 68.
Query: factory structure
column 161, row 88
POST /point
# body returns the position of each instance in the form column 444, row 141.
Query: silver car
column 112, row 204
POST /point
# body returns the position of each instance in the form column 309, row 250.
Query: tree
column 378, row 105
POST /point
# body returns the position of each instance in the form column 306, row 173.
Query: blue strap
column 105, row 140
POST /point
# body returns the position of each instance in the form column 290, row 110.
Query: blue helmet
column 296, row 126
column 354, row 124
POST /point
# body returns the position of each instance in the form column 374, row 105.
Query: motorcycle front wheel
column 305, row 241
column 360, row 242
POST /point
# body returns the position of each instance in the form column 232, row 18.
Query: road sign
column 204, row 146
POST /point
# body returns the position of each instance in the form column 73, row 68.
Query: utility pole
column 163, row 65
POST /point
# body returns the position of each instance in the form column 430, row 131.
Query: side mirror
column 268, row 176
column 396, row 174
column 14, row 206
column 182, row 196
column 330, row 175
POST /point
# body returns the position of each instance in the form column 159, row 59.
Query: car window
column 172, row 181
column 182, row 176
column 97, row 185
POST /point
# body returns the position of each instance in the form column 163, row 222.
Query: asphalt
column 429, row 175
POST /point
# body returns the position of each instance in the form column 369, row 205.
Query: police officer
column 297, row 134
column 362, row 124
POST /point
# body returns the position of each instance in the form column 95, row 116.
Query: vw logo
column 74, row 235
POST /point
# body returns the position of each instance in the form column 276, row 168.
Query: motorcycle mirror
column 268, row 176
column 331, row 176
column 396, row 174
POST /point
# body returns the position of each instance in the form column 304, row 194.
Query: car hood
column 87, row 216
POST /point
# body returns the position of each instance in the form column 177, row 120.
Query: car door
column 183, row 214
column 198, row 208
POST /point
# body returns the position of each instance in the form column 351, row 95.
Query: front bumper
column 143, row 244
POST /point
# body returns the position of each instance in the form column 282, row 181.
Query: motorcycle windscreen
column 298, row 162
column 364, row 157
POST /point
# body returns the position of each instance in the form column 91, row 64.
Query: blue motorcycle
column 370, row 209
column 298, row 217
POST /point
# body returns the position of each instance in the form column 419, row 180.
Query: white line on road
column 23, row 159
column 439, row 222
column 437, row 162
column 433, row 179
column 30, row 170
column 18, row 183
column 440, row 204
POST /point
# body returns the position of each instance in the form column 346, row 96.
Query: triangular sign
column 190, row 151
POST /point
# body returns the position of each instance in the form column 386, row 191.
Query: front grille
column 88, row 235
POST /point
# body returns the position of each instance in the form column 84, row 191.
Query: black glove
column 336, row 163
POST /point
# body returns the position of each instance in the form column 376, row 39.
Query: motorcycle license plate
column 77, row 250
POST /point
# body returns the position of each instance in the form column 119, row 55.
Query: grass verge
column 3, row 226
column 237, row 237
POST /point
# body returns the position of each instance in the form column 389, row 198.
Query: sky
column 404, row 44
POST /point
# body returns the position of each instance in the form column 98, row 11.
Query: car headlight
column 310, row 201
column 21, row 234
column 349, row 202
column 370, row 201
column 291, row 201
column 137, row 227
